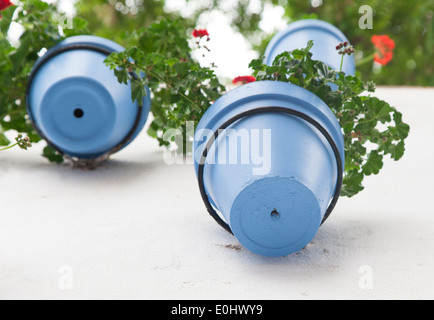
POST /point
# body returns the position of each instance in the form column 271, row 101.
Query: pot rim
column 300, row 25
column 235, row 101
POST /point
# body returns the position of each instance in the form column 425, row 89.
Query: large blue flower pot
column 77, row 104
column 325, row 38
column 276, row 210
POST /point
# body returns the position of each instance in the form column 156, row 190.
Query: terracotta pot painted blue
column 76, row 102
column 276, row 211
column 325, row 37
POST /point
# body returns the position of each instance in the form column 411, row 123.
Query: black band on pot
column 50, row 55
column 242, row 115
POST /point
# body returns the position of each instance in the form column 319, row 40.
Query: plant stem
column 365, row 60
column 149, row 72
column 366, row 121
column 342, row 62
column 9, row 147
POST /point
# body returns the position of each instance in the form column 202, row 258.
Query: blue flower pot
column 325, row 38
column 278, row 210
column 77, row 104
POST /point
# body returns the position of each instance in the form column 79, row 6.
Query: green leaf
column 257, row 64
column 171, row 62
column 79, row 27
column 324, row 71
column 352, row 183
column 403, row 130
column 52, row 155
column 155, row 58
column 40, row 5
column 3, row 140
column 374, row 163
column 182, row 69
column 212, row 94
column 122, row 75
column 6, row 19
column 309, row 47
column 152, row 133
column 138, row 90
column 18, row 58
column 378, row 109
column 397, row 151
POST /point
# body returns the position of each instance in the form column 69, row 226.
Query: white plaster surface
column 136, row 228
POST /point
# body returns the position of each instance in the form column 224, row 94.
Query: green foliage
column 116, row 20
column 409, row 23
column 372, row 128
column 40, row 23
column 181, row 89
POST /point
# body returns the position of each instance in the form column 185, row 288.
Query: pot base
column 78, row 114
column 76, row 103
column 275, row 216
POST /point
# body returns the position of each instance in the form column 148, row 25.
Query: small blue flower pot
column 278, row 210
column 77, row 104
column 325, row 38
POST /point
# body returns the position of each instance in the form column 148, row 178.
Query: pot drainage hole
column 78, row 113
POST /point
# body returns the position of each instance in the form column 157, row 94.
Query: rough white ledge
column 137, row 228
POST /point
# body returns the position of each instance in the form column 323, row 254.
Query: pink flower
column 244, row 79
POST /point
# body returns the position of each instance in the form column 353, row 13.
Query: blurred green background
column 410, row 23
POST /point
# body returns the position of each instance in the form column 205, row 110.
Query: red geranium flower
column 4, row 4
column 244, row 79
column 200, row 33
column 385, row 47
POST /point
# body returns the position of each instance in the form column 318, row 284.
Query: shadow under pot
column 325, row 38
column 77, row 104
column 269, row 156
